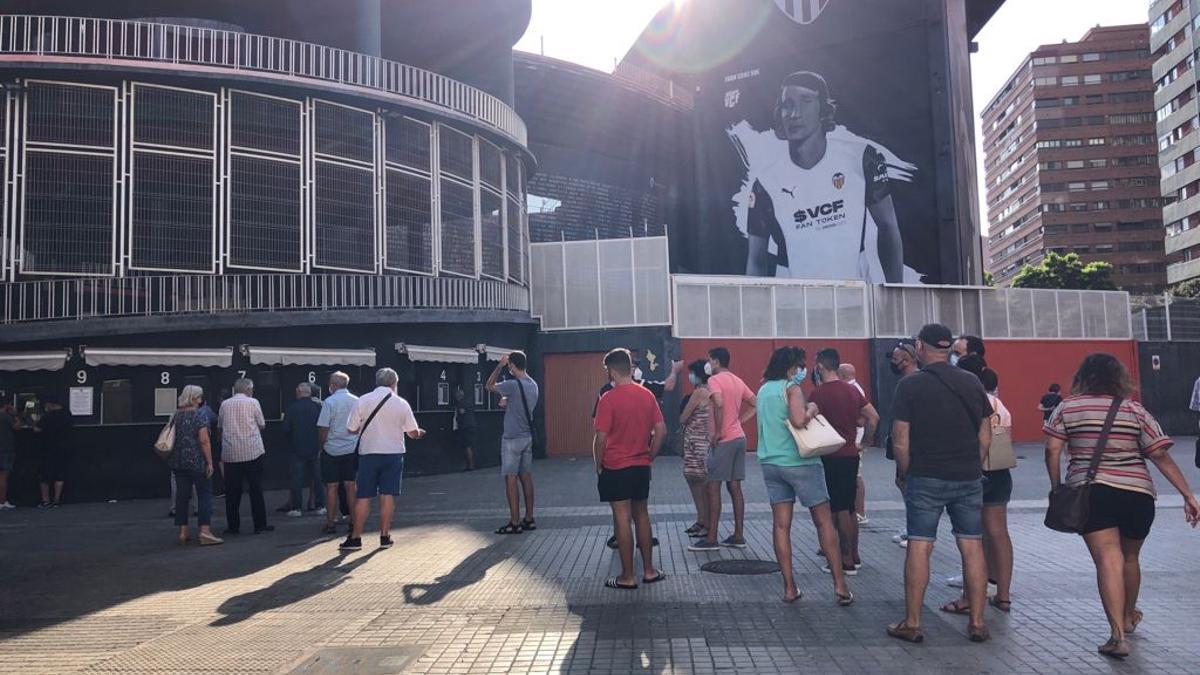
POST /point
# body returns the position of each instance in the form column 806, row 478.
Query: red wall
column 1028, row 367
column 748, row 359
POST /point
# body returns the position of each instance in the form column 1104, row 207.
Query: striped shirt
column 1078, row 420
column 241, row 422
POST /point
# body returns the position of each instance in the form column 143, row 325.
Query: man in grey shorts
column 733, row 405
column 516, row 445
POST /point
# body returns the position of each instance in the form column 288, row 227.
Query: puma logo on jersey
column 812, row 213
column 789, row 192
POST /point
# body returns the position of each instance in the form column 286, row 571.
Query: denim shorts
column 516, row 456
column 379, row 475
column 791, row 483
column 925, row 498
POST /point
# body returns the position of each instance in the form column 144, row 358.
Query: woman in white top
column 997, row 489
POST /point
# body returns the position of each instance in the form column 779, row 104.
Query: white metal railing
column 116, row 39
column 88, row 298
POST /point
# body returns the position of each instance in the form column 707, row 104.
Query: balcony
column 81, row 299
column 44, row 40
column 1183, row 271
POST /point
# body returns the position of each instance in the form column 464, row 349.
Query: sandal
column 978, row 633
column 614, row 582
column 845, row 600
column 1137, row 618
column 528, row 525
column 1117, row 649
column 1002, row 605
column 902, row 631
column 510, row 528
column 655, row 580
column 956, row 607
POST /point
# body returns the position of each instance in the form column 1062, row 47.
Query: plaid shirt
column 241, row 421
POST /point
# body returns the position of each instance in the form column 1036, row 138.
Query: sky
column 596, row 34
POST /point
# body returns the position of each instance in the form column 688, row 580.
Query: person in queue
column 697, row 421
column 191, row 462
column 240, row 419
column 1122, row 493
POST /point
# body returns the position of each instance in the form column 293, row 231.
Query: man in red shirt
column 733, row 405
column 845, row 408
column 629, row 433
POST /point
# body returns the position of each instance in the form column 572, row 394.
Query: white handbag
column 817, row 438
column 166, row 440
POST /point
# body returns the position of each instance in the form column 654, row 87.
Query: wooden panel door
column 572, row 383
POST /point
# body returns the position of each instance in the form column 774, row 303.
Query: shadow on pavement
column 471, row 570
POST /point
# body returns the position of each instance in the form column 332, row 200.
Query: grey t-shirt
column 516, row 420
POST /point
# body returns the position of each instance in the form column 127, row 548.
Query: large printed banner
column 816, row 141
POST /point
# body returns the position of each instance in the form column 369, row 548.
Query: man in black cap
column 941, row 433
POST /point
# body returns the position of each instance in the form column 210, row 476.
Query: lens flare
column 709, row 40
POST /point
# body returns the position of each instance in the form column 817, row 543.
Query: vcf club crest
column 803, row 11
column 839, row 179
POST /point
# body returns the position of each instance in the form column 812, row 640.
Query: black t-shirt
column 1049, row 403
column 943, row 443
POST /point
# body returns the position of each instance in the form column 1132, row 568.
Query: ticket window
column 116, row 402
column 436, row 382
column 267, row 391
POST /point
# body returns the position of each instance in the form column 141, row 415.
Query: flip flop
column 902, row 631
column 1117, row 649
column 509, row 528
column 1137, row 618
column 845, row 600
column 793, row 600
column 1002, row 605
column 956, row 607
column 615, row 583
column 656, row 579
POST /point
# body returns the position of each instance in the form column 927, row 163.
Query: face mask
column 798, row 378
column 816, row 377
column 708, row 369
column 953, row 359
column 896, row 369
column 693, row 379
column 637, row 373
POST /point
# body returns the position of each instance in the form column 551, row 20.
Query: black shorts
column 618, row 485
column 841, row 477
column 997, row 487
column 338, row 468
column 53, row 467
column 1130, row 512
column 466, row 436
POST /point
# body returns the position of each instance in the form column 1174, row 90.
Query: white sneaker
column 955, row 581
column 7, row 505
column 321, row 511
column 294, row 513
column 862, row 520
column 901, row 539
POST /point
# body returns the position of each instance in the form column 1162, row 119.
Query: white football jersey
column 822, row 212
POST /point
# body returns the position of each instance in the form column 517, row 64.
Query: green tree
column 1066, row 272
column 989, row 279
column 1186, row 289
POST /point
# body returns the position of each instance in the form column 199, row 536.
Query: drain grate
column 358, row 660
column 740, row 567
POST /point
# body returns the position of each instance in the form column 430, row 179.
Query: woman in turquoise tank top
column 790, row 477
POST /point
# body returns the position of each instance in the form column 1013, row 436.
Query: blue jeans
column 925, row 498
column 306, row 473
column 185, row 481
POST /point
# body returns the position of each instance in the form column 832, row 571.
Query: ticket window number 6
column 312, row 377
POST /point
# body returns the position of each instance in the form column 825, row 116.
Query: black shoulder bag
column 528, row 414
column 966, row 406
column 1070, row 506
column 366, row 424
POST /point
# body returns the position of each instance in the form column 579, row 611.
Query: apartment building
column 1070, row 165
column 1172, row 23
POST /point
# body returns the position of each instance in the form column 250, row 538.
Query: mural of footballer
column 819, row 204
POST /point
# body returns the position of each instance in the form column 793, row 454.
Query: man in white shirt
column 241, row 421
column 847, row 372
column 382, row 420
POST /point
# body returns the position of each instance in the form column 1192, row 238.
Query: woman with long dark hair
column 697, row 422
column 1122, row 493
column 790, row 477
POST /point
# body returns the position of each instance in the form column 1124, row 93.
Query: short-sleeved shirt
column 733, row 391
column 516, row 418
column 186, row 454
column 241, row 421
column 57, row 429
column 1048, row 403
column 841, row 404
column 627, row 415
column 464, row 413
column 334, row 415
column 776, row 445
column 1135, row 434
column 943, row 443
column 385, row 434
column 300, row 425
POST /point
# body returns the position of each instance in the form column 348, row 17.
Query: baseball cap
column 936, row 335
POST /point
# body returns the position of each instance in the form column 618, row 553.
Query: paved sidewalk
column 103, row 588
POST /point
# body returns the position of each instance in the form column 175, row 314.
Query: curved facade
column 235, row 177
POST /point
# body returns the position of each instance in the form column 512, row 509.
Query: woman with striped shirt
column 1122, row 494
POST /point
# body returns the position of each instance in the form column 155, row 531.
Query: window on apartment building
column 1127, row 75
column 1077, row 206
column 1090, row 56
column 1080, row 228
column 1069, row 80
column 1068, row 58
column 1099, row 185
column 1054, row 229
column 1102, row 227
column 1097, row 163
column 1045, row 81
column 1105, row 248
column 1081, row 250
column 1092, row 79
column 1044, row 60
column 1047, row 103
column 1076, row 187
column 1096, row 141
column 1075, row 164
